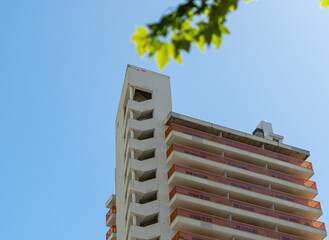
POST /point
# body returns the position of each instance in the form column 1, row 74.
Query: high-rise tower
column 182, row 178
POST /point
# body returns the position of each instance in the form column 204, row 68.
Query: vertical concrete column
column 133, row 196
column 132, row 134
column 133, row 176
column 131, row 93
column 134, row 220
column 131, row 115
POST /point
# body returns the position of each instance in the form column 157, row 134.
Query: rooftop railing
column 243, row 185
column 245, row 206
column 231, row 224
column 239, row 145
column 110, row 212
column 239, row 164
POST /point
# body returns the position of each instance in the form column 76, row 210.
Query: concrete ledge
column 144, row 233
column 111, row 201
column 113, row 236
column 111, row 220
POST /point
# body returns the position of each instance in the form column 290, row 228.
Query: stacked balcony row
column 228, row 206
column 238, row 145
column 140, row 209
column 240, row 164
column 244, row 230
column 230, row 185
column 111, row 218
column 239, row 151
column 231, row 203
column 243, row 185
column 241, row 167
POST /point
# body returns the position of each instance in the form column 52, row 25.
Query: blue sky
column 62, row 65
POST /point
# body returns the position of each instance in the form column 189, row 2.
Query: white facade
column 141, row 168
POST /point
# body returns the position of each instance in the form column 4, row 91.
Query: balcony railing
column 110, row 212
column 113, row 229
column 189, row 236
column 239, row 145
column 239, row 164
column 231, row 224
column 243, row 185
column 244, row 206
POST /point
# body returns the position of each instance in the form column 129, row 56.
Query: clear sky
column 62, row 65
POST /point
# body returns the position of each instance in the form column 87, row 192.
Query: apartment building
column 181, row 178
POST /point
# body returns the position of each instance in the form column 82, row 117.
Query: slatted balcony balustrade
column 239, row 164
column 245, row 206
column 242, row 185
column 110, row 212
column 231, row 224
column 112, row 230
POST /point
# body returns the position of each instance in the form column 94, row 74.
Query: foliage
column 195, row 21
column 324, row 3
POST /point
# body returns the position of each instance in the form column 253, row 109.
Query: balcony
column 142, row 211
column 111, row 234
column 212, row 183
column 245, row 212
column 139, row 109
column 178, row 154
column 148, row 232
column 110, row 216
column 242, row 137
column 212, row 226
column 244, row 185
column 237, row 150
column 111, row 201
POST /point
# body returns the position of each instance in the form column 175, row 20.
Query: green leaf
column 207, row 35
column 153, row 46
column 232, row 5
column 325, row 3
column 174, row 54
column 140, row 38
column 195, row 21
column 162, row 56
column 216, row 40
column 182, row 44
column 200, row 42
column 224, row 30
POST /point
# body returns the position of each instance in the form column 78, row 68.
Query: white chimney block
column 268, row 131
